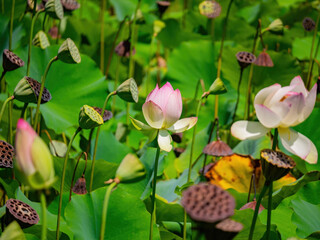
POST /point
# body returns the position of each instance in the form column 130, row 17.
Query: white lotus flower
column 282, row 107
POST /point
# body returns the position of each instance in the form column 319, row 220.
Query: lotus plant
column 281, row 108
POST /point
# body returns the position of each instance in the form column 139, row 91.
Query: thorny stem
column 153, row 196
column 238, row 96
column 44, row 216
column 62, row 180
column 97, row 138
column 4, row 106
column 43, row 80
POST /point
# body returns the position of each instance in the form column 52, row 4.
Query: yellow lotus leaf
column 235, row 172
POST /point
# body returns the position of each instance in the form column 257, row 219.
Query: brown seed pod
column 308, row 24
column 11, row 61
column 6, row 155
column 80, row 186
column 53, row 32
column 245, row 59
column 25, row 215
column 70, row 5
column 178, row 151
column 107, row 115
column 252, row 205
column 229, row 225
column 218, row 149
column 207, row 203
column 177, row 137
column 210, row 9
column 264, row 60
column 123, row 49
column 35, row 85
column 162, row 6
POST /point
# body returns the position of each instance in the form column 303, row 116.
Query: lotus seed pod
column 210, row 9
column 264, row 60
column 107, row 115
column 252, row 205
column 6, row 155
column 89, row 118
column 218, row 149
column 68, row 52
column 11, row 61
column 207, row 203
column 178, row 151
column 128, row 91
column 53, row 32
column 163, row 6
column 158, row 26
column 275, row 165
column 177, row 137
column 28, row 90
column 21, row 212
column 41, row 40
column 308, row 24
column 58, row 148
column 245, row 59
column 123, row 49
column 54, row 9
column 276, row 26
column 217, row 87
column 80, row 186
column 70, row 5
column 130, row 169
column 227, row 229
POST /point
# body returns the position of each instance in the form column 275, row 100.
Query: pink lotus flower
column 162, row 110
column 33, row 156
column 282, row 107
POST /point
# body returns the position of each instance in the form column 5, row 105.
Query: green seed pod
column 54, row 9
column 128, row 91
column 276, row 26
column 28, row 89
column 89, row 118
column 68, row 52
column 130, row 169
column 216, row 88
column 41, row 40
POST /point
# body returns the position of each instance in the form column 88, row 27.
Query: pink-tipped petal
column 183, row 124
column 153, row 114
column 263, row 94
column 298, row 144
column 152, row 94
column 298, row 84
column 276, row 97
column 309, row 104
column 266, row 116
column 248, row 130
column 162, row 95
column 297, row 104
column 173, row 109
column 164, row 140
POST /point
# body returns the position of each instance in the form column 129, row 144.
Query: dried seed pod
column 128, row 91
column 210, row 9
column 245, row 59
column 207, row 203
column 70, row 5
column 177, row 137
column 229, row 225
column 107, row 115
column 178, row 151
column 80, row 186
column 28, row 90
column 41, row 40
column 264, row 60
column 89, row 118
column 123, row 49
column 308, row 24
column 68, row 52
column 6, row 155
column 252, row 205
column 11, row 61
column 275, row 164
column 53, row 32
column 54, row 9
column 162, row 6
column 17, row 210
column 218, row 149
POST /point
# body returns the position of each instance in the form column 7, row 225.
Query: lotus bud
column 89, row 118
column 68, row 52
column 210, row 9
column 276, row 26
column 275, row 165
column 6, row 155
column 41, row 40
column 130, row 169
column 28, row 90
column 11, row 61
column 33, row 157
column 54, row 9
column 128, row 91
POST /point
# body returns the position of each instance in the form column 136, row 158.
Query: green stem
column 190, row 164
column 2, row 81
column 153, row 196
column 59, row 30
column 102, row 9
column 115, row 84
column 73, row 176
column 311, row 52
column 34, row 19
column 275, row 139
column 44, row 216
column 238, row 96
column 2, row 6
column 4, row 106
column 105, row 210
column 256, row 210
column 96, row 141
column 11, row 25
column 23, row 111
column 132, row 39
column 313, row 60
column 10, row 122
column 149, row 64
column 62, row 180
column 269, row 211
column 43, row 80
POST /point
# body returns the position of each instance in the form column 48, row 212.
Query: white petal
column 183, row 124
column 263, row 94
column 164, row 140
column 153, row 114
column 139, row 125
column 278, row 96
column 248, row 130
column 298, row 84
column 309, row 105
column 298, row 144
column 296, row 103
column 266, row 116
column 173, row 109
